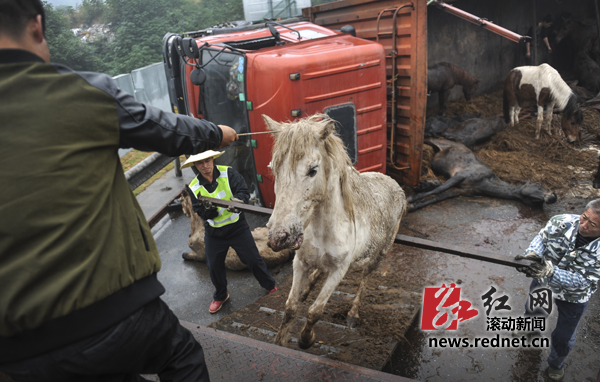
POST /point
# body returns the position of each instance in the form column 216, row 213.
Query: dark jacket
column 239, row 190
column 76, row 253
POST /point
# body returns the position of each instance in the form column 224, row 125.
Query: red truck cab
column 286, row 72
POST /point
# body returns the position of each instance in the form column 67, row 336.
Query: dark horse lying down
column 468, row 176
column 442, row 77
column 470, row 132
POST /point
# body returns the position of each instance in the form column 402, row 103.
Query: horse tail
column 505, row 107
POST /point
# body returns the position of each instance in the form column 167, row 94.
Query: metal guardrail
column 148, row 85
column 144, row 170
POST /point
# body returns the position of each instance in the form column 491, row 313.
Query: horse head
column 306, row 163
column 533, row 194
column 469, row 89
column 562, row 27
column 571, row 123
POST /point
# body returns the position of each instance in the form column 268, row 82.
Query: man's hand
column 207, row 204
column 229, row 135
column 540, row 271
column 232, row 209
column 531, row 256
column 538, row 268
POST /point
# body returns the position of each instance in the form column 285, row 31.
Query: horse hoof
column 280, row 340
column 351, row 322
column 189, row 256
column 307, row 344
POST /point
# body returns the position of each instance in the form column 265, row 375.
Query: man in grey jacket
column 565, row 257
column 79, row 295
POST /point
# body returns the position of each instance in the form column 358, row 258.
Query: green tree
column 66, row 48
column 212, row 12
column 92, row 12
column 139, row 27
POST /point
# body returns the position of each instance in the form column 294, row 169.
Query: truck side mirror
column 178, row 46
column 190, row 48
column 348, row 29
column 275, row 33
column 198, row 76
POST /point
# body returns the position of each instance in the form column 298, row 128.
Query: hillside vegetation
column 134, row 30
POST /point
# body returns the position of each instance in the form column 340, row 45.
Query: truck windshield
column 224, row 103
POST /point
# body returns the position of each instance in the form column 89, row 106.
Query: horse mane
column 460, row 75
column 296, row 138
column 559, row 90
column 572, row 107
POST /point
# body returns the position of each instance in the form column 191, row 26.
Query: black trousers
column 150, row 341
column 564, row 335
column 244, row 245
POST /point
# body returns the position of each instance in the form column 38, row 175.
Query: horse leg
column 443, row 196
column 307, row 336
column 291, row 306
column 548, row 117
column 352, row 318
column 453, row 181
column 516, row 110
column 444, row 95
column 538, row 124
column 311, row 283
column 511, row 117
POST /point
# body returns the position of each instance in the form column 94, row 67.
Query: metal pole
column 597, row 16
column 534, row 42
column 178, row 172
column 400, row 239
column 270, row 3
column 512, row 36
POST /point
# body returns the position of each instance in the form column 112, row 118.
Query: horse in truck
column 443, row 76
column 543, row 87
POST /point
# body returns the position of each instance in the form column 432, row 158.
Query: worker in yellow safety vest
column 224, row 227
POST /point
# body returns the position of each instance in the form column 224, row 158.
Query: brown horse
column 443, row 76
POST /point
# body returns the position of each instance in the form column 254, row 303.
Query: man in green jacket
column 79, row 296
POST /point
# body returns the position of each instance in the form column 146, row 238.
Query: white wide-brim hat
column 198, row 157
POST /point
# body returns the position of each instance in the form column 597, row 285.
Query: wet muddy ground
column 504, row 228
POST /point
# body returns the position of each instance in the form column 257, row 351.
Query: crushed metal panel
column 407, row 101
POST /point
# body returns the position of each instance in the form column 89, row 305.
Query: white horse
column 334, row 216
